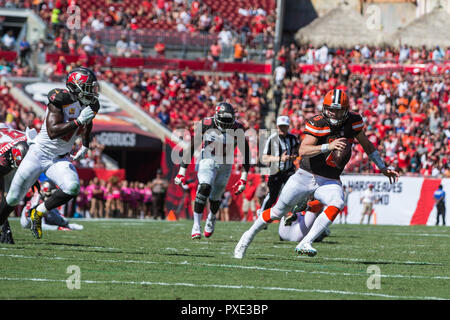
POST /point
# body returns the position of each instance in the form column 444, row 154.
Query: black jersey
column 61, row 98
column 318, row 127
column 212, row 137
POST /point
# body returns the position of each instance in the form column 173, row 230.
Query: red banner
column 159, row 63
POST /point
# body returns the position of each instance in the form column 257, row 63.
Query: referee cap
column 283, row 121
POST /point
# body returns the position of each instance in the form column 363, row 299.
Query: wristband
column 77, row 123
column 182, row 171
column 244, row 176
column 376, row 158
column 325, row 148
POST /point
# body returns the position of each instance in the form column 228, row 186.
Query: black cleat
column 6, row 234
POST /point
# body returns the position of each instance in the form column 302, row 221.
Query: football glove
column 86, row 115
column 240, row 185
column 180, row 179
column 80, row 154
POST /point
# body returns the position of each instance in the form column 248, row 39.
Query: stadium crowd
column 406, row 114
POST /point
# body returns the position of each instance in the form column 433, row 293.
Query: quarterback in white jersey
column 69, row 116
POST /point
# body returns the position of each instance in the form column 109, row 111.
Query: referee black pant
column 275, row 183
column 440, row 213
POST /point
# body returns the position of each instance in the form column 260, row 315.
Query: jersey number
column 330, row 160
column 13, row 134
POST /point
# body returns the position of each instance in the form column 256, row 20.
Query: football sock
column 319, row 225
column 257, row 226
column 197, row 218
column 5, row 210
column 57, row 199
column 41, row 209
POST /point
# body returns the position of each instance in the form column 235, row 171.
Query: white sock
column 211, row 215
column 321, row 223
column 257, row 226
column 197, row 218
column 307, row 222
column 42, row 208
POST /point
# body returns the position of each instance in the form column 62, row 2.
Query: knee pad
column 203, row 192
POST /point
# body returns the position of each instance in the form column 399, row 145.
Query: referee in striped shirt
column 280, row 151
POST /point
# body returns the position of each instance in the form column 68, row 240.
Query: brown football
column 341, row 157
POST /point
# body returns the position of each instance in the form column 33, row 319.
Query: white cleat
column 196, row 232
column 75, row 226
column 305, row 248
column 210, row 224
column 241, row 247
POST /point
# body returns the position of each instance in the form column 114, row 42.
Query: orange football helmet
column 335, row 107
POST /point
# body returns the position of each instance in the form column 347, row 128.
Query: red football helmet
column 17, row 153
column 82, row 83
column 335, row 107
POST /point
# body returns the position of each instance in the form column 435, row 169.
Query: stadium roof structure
column 340, row 27
column 430, row 30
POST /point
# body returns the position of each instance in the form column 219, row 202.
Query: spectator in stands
column 24, row 51
column 160, row 49
column 159, row 187
column 164, row 116
column 239, row 52
column 122, row 48
column 87, row 43
column 8, row 40
column 215, row 51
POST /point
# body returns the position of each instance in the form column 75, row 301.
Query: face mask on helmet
column 335, row 114
column 224, row 122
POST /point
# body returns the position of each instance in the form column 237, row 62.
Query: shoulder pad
column 356, row 121
column 317, row 126
column 60, row 97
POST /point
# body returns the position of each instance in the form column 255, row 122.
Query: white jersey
column 9, row 137
column 71, row 109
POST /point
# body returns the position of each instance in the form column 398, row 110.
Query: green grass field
column 133, row 259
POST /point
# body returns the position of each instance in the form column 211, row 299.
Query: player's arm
column 373, row 154
column 86, row 139
column 180, row 179
column 239, row 186
column 55, row 126
column 310, row 148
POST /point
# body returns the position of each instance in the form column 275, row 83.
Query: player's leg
column 53, row 218
column 25, row 176
column 215, row 198
column 298, row 187
column 65, row 176
column 206, row 175
column 330, row 193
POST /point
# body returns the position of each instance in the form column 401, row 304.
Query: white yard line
column 362, row 274
column 423, row 234
column 224, row 286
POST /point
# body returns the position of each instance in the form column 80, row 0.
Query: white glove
column 180, row 179
column 239, row 186
column 80, row 154
column 86, row 115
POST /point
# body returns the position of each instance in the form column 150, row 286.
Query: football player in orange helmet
column 319, row 174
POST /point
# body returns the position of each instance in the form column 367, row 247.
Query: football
column 341, row 157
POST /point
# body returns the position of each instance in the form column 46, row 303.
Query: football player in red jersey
column 220, row 135
column 13, row 148
column 318, row 174
column 69, row 115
